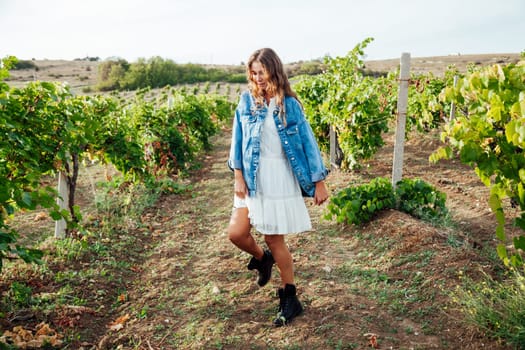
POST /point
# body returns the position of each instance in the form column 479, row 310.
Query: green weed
column 19, row 295
column 496, row 308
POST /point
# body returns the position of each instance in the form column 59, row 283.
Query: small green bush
column 25, row 64
column 358, row 204
column 420, row 199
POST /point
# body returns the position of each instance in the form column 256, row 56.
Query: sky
column 228, row 31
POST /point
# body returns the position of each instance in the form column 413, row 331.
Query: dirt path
column 388, row 281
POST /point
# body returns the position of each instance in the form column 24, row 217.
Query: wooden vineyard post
column 62, row 201
column 336, row 156
column 453, row 105
column 402, row 102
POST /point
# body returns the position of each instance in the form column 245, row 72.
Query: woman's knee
column 239, row 227
column 274, row 241
column 235, row 235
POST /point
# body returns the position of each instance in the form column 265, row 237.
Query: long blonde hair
column 277, row 85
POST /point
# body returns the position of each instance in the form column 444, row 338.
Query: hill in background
column 83, row 73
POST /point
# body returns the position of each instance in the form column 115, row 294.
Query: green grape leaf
column 519, row 242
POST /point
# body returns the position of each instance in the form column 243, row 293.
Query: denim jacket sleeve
column 313, row 156
column 235, row 158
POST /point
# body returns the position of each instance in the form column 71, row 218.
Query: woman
column 276, row 161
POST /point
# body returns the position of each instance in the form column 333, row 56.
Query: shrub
column 25, row 64
column 420, row 199
column 358, row 204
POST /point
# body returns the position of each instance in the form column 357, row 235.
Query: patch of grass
column 66, row 276
column 454, row 241
column 429, row 328
column 424, row 312
column 419, row 258
column 92, row 267
column 119, row 204
column 116, row 264
column 495, row 308
column 19, row 295
column 398, row 296
column 326, row 327
column 352, row 274
column 69, row 249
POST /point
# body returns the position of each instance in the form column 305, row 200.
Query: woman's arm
column 239, row 184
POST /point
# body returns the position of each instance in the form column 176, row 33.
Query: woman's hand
column 239, row 186
column 321, row 193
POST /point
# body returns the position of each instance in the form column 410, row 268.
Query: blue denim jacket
column 296, row 136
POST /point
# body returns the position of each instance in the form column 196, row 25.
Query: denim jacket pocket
column 248, row 118
column 292, row 131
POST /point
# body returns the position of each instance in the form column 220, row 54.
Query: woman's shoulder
column 292, row 100
column 246, row 97
column 293, row 104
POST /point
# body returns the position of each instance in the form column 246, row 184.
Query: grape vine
column 489, row 136
column 45, row 129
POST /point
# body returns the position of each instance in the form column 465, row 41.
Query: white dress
column 278, row 206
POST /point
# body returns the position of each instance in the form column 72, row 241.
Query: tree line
column 157, row 72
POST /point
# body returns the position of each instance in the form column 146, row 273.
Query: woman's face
column 259, row 75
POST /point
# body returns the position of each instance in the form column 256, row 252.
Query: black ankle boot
column 264, row 267
column 289, row 306
column 280, row 294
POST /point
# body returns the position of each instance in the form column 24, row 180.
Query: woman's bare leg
column 239, row 233
column 282, row 257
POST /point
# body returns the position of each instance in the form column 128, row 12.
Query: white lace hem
column 278, row 215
